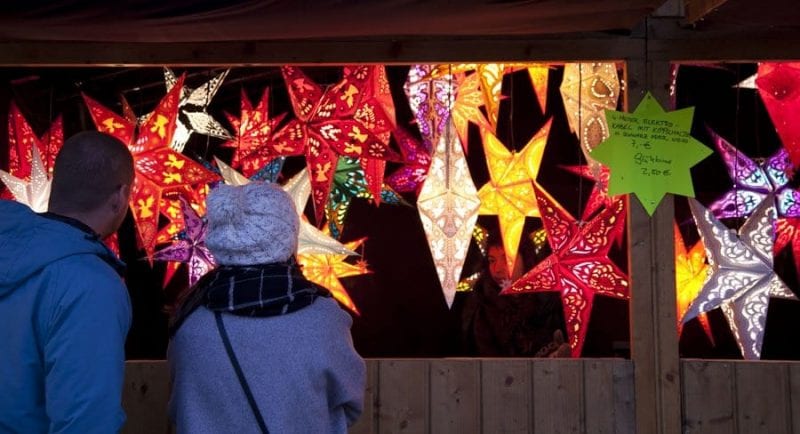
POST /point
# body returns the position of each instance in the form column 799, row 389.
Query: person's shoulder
column 85, row 273
column 328, row 313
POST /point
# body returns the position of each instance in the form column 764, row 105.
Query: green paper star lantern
column 650, row 152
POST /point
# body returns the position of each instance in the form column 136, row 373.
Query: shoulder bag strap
column 236, row 367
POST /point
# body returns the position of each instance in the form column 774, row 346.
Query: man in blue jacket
column 64, row 308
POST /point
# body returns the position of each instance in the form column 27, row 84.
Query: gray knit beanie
column 251, row 224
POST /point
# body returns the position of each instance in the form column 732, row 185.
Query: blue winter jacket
column 64, row 315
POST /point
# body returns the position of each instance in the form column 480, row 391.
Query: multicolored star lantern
column 22, row 139
column 36, row 192
column 650, row 152
column 190, row 247
column 691, row 273
column 310, row 240
column 588, row 89
column 448, row 207
column 416, row 161
column 742, row 278
column 353, row 118
column 159, row 169
column 431, row 99
column 349, row 182
column 753, row 182
column 327, row 269
column 509, row 193
column 579, row 267
column 779, row 87
column 193, row 117
column 253, row 135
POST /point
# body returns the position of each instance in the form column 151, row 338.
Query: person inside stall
column 514, row 325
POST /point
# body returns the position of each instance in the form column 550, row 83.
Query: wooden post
column 654, row 338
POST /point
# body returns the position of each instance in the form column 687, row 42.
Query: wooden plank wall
column 733, row 397
column 450, row 396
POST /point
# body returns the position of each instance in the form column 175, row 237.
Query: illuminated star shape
column 754, row 182
column 691, row 273
column 353, row 118
column 253, row 138
column 416, row 160
column 160, row 171
column 650, row 152
column 509, row 194
column 34, row 193
column 448, row 206
column 779, row 86
column 742, row 278
column 588, row 90
column 579, row 267
column 326, row 270
column 193, row 117
column 190, row 247
column 349, row 182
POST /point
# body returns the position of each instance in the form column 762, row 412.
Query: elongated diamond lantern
column 779, row 87
column 579, row 267
column 36, row 192
column 588, row 89
column 159, row 169
column 353, row 118
column 691, row 273
column 448, row 207
column 742, row 278
column 509, row 193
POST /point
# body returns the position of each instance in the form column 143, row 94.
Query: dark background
column 403, row 312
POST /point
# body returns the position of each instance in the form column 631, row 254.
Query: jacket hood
column 29, row 241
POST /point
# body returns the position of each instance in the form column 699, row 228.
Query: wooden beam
column 586, row 47
column 697, row 9
column 654, row 335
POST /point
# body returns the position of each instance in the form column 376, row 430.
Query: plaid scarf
column 252, row 290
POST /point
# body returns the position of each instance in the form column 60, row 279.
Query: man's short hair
column 89, row 168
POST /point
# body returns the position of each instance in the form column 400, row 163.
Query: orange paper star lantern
column 691, row 272
column 326, row 270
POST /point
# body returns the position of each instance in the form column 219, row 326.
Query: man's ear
column 121, row 197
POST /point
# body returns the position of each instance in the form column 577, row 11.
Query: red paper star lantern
column 779, row 86
column 159, row 169
column 579, row 266
column 21, row 139
column 252, row 136
column 353, row 118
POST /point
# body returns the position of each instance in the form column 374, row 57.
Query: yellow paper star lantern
column 448, row 208
column 509, row 194
column 539, row 74
column 691, row 272
column 588, row 89
column 326, row 270
column 34, row 193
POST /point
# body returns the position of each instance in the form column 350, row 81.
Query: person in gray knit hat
column 256, row 347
